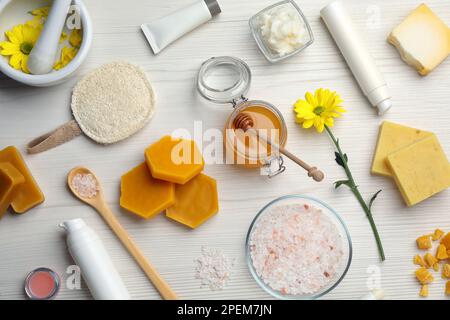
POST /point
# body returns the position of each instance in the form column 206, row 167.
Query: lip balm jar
column 226, row 80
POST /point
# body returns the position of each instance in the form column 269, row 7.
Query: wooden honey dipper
column 245, row 122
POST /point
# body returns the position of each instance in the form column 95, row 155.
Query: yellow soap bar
column 420, row 170
column 174, row 160
column 10, row 181
column 422, row 39
column 29, row 194
column 195, row 201
column 391, row 138
column 144, row 195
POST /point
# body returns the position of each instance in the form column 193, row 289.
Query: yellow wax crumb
column 441, row 252
column 424, row 291
column 419, row 261
column 424, row 276
column 446, row 271
column 424, row 242
column 438, row 233
column 431, row 261
column 447, row 288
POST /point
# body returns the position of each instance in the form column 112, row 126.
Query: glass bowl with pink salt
column 298, row 248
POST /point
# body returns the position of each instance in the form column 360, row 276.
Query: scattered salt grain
column 213, row 268
column 296, row 249
column 85, row 185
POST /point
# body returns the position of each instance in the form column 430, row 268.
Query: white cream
column 283, row 29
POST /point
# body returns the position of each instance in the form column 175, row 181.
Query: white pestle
column 43, row 56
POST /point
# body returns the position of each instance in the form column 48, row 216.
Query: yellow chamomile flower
column 21, row 40
column 318, row 109
column 67, row 54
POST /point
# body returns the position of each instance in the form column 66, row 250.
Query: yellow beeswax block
column 195, row 202
column 144, row 195
column 422, row 39
column 10, row 181
column 420, row 170
column 392, row 137
column 29, row 194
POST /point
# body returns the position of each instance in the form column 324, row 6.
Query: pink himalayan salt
column 85, row 185
column 296, row 249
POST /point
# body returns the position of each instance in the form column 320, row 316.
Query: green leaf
column 373, row 199
column 339, row 183
column 339, row 159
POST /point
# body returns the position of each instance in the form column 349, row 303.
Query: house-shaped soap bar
column 420, row 170
column 391, row 138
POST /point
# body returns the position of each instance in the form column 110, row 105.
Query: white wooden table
column 34, row 239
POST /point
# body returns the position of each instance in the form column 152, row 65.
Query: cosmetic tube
column 90, row 255
column 355, row 52
column 163, row 31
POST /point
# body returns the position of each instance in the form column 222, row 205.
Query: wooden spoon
column 98, row 202
column 245, row 122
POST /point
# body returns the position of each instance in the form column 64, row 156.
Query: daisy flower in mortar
column 21, row 40
column 318, row 109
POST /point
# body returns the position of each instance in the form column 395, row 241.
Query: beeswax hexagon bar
column 195, row 201
column 29, row 194
column 174, row 160
column 144, row 195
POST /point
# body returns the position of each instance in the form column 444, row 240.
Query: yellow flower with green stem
column 319, row 110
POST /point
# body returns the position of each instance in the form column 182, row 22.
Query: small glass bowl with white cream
column 281, row 31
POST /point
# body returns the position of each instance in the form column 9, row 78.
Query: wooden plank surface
column 34, row 239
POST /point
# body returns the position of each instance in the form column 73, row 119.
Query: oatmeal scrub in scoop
column 297, row 249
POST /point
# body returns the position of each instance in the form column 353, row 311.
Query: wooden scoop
column 245, row 122
column 98, row 202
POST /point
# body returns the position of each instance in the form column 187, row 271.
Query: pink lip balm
column 42, row 284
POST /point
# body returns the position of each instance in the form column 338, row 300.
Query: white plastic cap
column 384, row 106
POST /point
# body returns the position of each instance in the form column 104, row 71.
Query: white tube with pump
column 358, row 57
column 90, row 255
column 163, row 31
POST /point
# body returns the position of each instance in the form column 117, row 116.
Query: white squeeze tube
column 163, row 31
column 358, row 57
column 90, row 255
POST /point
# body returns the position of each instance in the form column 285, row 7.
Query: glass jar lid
column 224, row 79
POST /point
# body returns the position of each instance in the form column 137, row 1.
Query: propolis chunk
column 424, row 276
column 424, row 242
column 144, row 195
column 441, row 252
column 195, row 201
column 174, row 160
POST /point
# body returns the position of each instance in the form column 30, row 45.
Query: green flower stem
column 357, row 194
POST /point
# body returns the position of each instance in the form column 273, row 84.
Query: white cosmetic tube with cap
column 163, row 31
column 358, row 57
column 90, row 255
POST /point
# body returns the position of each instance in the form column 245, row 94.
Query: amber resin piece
column 29, row 194
column 10, row 181
column 195, row 201
column 174, row 160
column 144, row 195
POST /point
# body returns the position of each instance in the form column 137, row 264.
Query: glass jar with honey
column 226, row 80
